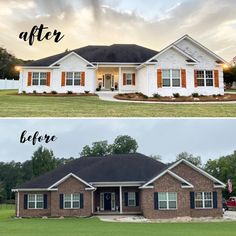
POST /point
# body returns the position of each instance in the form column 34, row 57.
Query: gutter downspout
column 18, row 205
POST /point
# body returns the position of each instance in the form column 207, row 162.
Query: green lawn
column 94, row 227
column 13, row 105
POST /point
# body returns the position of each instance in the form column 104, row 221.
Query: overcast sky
column 208, row 138
column 150, row 23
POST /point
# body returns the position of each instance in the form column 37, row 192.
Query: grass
column 93, row 226
column 13, row 105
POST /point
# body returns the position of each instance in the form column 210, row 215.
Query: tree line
column 12, row 174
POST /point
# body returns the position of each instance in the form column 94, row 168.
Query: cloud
column 86, row 22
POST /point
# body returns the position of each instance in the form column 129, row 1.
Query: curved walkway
column 109, row 96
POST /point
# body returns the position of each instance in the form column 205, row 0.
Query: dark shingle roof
column 116, row 53
column 112, row 168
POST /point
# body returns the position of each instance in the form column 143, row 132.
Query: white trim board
column 167, row 171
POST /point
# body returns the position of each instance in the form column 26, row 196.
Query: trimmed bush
column 156, row 95
column 69, row 92
column 195, row 95
column 54, row 92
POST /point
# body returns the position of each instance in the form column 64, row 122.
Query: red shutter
column 29, row 79
column 159, row 78
column 63, row 79
column 195, row 79
column 216, row 76
column 124, row 79
column 133, row 79
column 48, row 78
column 82, row 79
column 183, row 77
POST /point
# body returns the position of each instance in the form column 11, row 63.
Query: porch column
column 121, row 210
column 120, row 79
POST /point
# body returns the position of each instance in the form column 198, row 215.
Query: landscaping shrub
column 156, row 95
column 54, row 92
column 98, row 89
column 112, row 89
column 176, row 95
column 44, row 92
column 87, row 92
column 34, row 92
column 195, row 95
column 24, row 92
column 145, row 96
column 69, row 92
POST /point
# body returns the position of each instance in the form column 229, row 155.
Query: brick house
column 122, row 184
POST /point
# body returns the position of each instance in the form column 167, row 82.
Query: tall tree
column 223, row 169
column 124, row 144
column 230, row 75
column 196, row 160
column 43, row 160
column 100, row 148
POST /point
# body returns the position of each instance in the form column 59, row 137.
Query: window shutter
column 82, row 79
column 25, row 201
column 137, row 198
column 156, row 207
column 184, row 79
column 124, row 79
column 216, row 76
column 48, row 78
column 192, row 200
column 61, row 201
column 215, row 200
column 126, row 198
column 63, row 79
column 133, row 79
column 195, row 78
column 45, row 201
column 29, row 79
column 81, row 200
column 159, row 78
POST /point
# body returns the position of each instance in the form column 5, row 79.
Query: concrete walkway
column 109, row 96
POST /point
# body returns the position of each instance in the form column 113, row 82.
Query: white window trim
column 132, row 199
column 73, row 79
column 126, row 79
column 203, row 200
column 35, row 202
column 39, row 78
column 205, row 79
column 71, row 201
column 167, row 200
column 171, row 79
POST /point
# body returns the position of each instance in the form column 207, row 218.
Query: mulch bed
column 59, row 95
column 141, row 97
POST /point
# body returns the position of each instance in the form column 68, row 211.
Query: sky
column 208, row 138
column 150, row 23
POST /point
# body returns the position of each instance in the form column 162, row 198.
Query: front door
column 108, row 81
column 107, row 201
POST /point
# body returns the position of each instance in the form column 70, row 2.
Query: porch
column 119, row 79
column 116, row 200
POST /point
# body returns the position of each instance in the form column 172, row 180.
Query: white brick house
column 184, row 67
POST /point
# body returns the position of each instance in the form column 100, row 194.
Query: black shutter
column 61, row 201
column 45, row 201
column 192, row 200
column 25, row 201
column 156, row 207
column 126, row 198
column 137, row 198
column 81, row 200
column 215, row 200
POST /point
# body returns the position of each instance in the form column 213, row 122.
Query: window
column 72, row 201
column 167, row 201
column 205, row 78
column 128, row 79
column 171, row 78
column 73, row 78
column 35, row 201
column 39, row 78
column 131, row 199
column 203, row 200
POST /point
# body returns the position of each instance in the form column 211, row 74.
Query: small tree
column 156, row 157
column 43, row 160
column 98, row 149
column 196, row 160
